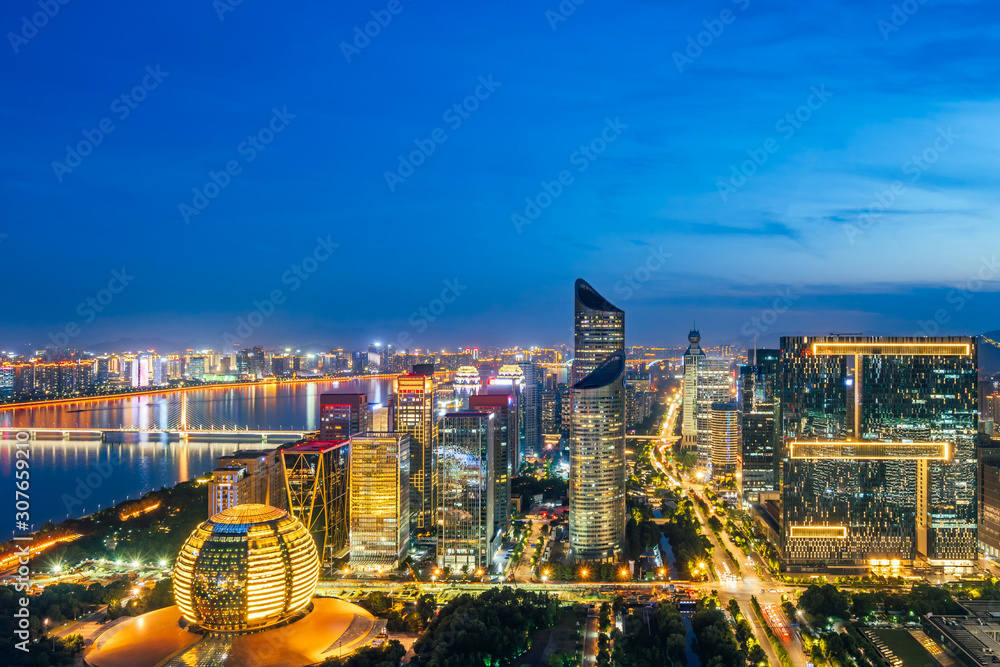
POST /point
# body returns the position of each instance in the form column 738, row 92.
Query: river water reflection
column 71, row 478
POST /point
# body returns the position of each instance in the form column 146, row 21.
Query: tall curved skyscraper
column 599, row 330
column 597, row 463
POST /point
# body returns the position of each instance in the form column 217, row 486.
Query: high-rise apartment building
column 880, row 453
column 599, row 330
column 343, row 415
column 412, row 408
column 466, row 535
column 380, row 500
column 597, row 463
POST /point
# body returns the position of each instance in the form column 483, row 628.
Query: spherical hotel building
column 247, row 568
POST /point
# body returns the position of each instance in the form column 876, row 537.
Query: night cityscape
column 548, row 335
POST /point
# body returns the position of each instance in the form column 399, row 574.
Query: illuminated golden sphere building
column 247, row 568
column 243, row 583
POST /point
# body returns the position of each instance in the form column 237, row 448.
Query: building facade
column 879, row 459
column 466, row 535
column 597, row 463
column 599, row 330
column 413, row 412
column 725, row 432
column 343, row 415
column 504, row 409
column 380, row 500
column 317, row 479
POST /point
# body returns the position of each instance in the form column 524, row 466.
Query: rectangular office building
column 380, row 500
column 880, row 452
column 466, row 491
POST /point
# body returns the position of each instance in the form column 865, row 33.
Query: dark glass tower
column 880, row 452
column 599, row 330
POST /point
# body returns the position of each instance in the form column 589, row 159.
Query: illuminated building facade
column 880, row 452
column 413, row 413
column 531, row 414
column 380, row 500
column 245, row 569
column 725, row 430
column 343, row 415
column 989, row 500
column 260, row 482
column 760, row 397
column 689, row 418
column 466, row 536
column 599, row 330
column 228, row 488
column 597, row 463
column 317, row 478
column 504, row 409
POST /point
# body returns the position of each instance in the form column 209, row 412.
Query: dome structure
column 247, row 568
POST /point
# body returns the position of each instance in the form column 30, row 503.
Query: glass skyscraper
column 466, row 490
column 880, row 452
column 599, row 330
column 597, row 463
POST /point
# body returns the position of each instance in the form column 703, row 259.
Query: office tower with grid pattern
column 880, row 452
column 725, row 432
column 380, row 500
column 466, row 456
column 413, row 413
column 343, row 415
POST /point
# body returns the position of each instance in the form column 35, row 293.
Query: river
column 72, row 478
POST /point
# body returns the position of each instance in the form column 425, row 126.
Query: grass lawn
column 906, row 648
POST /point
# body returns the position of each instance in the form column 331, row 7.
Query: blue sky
column 805, row 231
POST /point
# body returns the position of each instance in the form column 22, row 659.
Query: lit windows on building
column 881, row 439
column 380, row 500
column 597, row 463
column 466, row 491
